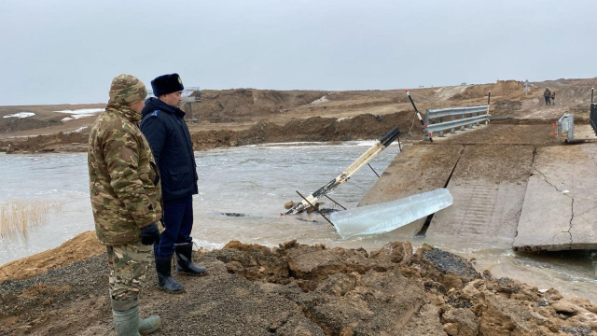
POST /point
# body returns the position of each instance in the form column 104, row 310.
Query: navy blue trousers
column 178, row 220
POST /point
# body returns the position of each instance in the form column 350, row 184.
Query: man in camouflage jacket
column 126, row 200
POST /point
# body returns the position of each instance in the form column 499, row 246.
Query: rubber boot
column 126, row 317
column 165, row 280
column 184, row 257
column 149, row 325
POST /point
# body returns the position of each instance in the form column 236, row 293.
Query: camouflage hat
column 126, row 90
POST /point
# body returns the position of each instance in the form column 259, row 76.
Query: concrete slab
column 502, row 134
column 458, row 132
column 418, row 168
column 488, row 186
column 560, row 206
column 582, row 132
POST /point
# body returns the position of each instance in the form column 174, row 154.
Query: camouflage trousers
column 128, row 269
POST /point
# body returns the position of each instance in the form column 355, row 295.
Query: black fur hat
column 166, row 84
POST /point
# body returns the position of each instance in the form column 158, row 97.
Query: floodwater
column 241, row 196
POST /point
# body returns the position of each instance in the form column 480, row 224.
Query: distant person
column 126, row 200
column 547, row 96
column 168, row 135
column 553, row 98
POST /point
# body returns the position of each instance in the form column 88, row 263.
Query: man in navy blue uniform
column 166, row 131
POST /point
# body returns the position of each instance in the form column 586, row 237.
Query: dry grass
column 18, row 216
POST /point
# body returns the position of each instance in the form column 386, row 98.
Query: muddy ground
column 300, row 290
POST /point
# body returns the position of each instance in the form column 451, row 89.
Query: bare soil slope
column 303, row 290
column 79, row 248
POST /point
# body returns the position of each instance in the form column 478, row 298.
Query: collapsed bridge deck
column 509, row 182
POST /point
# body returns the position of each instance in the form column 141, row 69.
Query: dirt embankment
column 247, row 116
column 60, row 142
column 15, row 124
column 244, row 104
column 45, row 118
column 81, row 247
column 365, row 126
column 303, row 290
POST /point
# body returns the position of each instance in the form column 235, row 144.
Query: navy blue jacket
column 168, row 135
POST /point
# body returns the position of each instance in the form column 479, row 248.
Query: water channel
column 242, row 191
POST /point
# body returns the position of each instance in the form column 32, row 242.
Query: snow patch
column 66, row 119
column 320, row 100
column 79, row 116
column 78, row 130
column 82, row 111
column 20, row 115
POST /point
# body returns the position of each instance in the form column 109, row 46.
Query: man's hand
column 150, row 234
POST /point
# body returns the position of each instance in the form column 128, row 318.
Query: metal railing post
column 477, row 123
column 570, row 136
column 593, row 114
column 488, row 104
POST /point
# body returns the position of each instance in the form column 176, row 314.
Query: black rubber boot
column 165, row 280
column 184, row 256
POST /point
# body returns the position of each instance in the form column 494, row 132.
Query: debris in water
column 327, row 210
column 364, row 159
column 306, row 220
column 233, row 214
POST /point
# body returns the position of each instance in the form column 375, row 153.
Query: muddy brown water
column 242, row 192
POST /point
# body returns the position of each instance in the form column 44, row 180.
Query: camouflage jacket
column 124, row 183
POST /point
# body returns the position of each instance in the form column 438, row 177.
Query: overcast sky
column 68, row 51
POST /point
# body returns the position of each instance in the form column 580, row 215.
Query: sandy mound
column 241, row 104
column 79, row 248
column 508, row 88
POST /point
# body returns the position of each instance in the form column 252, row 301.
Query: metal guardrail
column 566, row 124
column 191, row 99
column 191, row 95
column 466, row 114
column 594, row 117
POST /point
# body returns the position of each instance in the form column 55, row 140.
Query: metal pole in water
column 338, row 204
column 373, row 170
column 316, row 209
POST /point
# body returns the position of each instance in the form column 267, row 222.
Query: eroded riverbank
column 297, row 289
